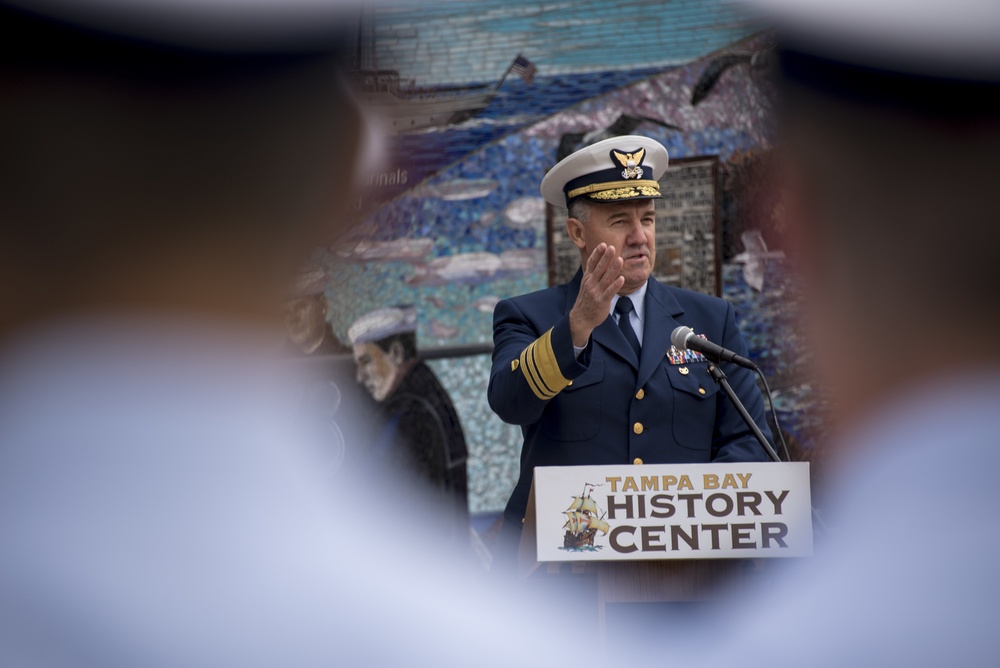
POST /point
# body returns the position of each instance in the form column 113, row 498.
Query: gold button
column 683, row 371
column 637, row 461
column 569, row 383
column 514, row 364
column 701, row 390
column 637, row 427
column 640, row 394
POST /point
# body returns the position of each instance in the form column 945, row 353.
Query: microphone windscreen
column 680, row 336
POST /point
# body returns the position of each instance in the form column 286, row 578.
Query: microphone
column 684, row 338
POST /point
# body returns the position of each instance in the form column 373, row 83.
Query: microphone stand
column 723, row 382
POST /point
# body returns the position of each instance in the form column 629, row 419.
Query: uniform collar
column 638, row 301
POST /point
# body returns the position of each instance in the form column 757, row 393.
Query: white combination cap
column 612, row 170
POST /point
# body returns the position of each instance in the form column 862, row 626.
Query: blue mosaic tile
column 769, row 322
column 494, row 447
column 465, row 41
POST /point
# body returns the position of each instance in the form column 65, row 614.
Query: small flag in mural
column 524, row 68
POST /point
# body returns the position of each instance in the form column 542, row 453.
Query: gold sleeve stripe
column 531, row 373
column 540, row 368
column 541, row 380
column 528, row 376
column 529, row 355
column 547, row 364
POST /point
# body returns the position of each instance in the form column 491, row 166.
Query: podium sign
column 671, row 511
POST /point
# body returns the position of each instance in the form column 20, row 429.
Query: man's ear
column 396, row 353
column 574, row 228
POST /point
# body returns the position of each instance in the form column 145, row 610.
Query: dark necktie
column 623, row 308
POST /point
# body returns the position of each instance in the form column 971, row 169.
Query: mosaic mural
column 460, row 223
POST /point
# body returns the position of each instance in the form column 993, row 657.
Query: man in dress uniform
column 587, row 368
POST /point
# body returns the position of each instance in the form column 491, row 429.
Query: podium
column 663, row 534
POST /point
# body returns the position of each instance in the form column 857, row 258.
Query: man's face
column 628, row 226
column 305, row 320
column 377, row 369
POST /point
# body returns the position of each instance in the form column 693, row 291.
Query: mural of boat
column 583, row 521
column 456, row 190
column 409, row 109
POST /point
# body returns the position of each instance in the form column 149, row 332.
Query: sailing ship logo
column 583, row 520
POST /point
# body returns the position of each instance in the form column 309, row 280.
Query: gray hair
column 580, row 209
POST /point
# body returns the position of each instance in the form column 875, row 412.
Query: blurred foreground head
column 167, row 497
column 891, row 117
column 167, row 156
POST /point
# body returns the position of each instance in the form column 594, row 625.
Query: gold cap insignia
column 631, row 162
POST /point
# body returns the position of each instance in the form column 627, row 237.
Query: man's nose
column 636, row 235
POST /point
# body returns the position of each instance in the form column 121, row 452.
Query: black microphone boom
column 684, row 338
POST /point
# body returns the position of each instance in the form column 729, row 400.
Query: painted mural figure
column 422, row 433
column 347, row 417
column 309, row 333
column 585, row 368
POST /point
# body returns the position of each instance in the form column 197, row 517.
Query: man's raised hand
column 602, row 280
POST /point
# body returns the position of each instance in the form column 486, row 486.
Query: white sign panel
column 673, row 511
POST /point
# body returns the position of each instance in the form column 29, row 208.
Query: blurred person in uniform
column 587, row 368
column 422, row 434
column 305, row 310
column 165, row 500
column 891, row 124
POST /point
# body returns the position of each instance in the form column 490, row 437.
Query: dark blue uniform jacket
column 607, row 407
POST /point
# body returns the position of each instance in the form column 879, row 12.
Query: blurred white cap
column 217, row 25
column 309, row 282
column 939, row 38
column 381, row 323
